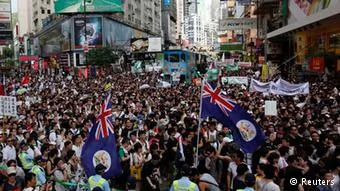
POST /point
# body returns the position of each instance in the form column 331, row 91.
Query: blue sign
column 166, row 3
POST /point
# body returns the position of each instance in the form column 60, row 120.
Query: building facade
column 145, row 14
column 25, row 17
column 41, row 10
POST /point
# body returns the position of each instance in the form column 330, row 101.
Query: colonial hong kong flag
column 100, row 145
column 246, row 132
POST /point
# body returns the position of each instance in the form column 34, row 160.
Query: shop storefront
column 315, row 33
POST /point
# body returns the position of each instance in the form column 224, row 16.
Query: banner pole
column 199, row 123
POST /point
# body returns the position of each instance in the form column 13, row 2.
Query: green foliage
column 7, row 53
column 9, row 62
column 101, row 56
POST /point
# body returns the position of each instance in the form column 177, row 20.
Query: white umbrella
column 144, row 86
column 163, row 84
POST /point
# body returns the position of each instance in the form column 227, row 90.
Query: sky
column 14, row 6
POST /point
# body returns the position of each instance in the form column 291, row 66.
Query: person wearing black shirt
column 188, row 149
column 150, row 175
column 291, row 171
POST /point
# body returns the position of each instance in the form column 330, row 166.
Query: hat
column 11, row 170
column 100, row 168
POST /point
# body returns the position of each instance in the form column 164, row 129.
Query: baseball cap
column 11, row 170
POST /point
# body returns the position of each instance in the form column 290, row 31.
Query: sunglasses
column 12, row 174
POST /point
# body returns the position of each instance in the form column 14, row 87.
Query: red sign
column 317, row 64
column 86, row 47
column 28, row 58
column 261, row 60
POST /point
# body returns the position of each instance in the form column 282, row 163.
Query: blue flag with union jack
column 246, row 132
column 100, row 145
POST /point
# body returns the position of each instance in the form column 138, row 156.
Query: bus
column 179, row 65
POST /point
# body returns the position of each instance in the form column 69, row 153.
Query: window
column 48, row 11
column 183, row 58
column 166, row 57
column 334, row 41
column 174, row 57
column 42, row 11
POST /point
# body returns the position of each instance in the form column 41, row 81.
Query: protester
column 157, row 130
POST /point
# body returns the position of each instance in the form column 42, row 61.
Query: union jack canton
column 104, row 119
column 217, row 97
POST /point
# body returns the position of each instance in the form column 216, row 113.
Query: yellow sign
column 264, row 72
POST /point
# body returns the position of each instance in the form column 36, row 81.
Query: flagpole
column 199, row 123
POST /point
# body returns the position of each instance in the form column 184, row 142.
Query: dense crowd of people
column 41, row 148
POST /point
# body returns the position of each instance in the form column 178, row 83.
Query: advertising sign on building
column 231, row 46
column 93, row 32
column 77, row 6
column 166, row 3
column 317, row 64
column 238, row 23
column 5, row 7
column 153, row 44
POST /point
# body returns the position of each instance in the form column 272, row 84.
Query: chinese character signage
column 8, row 106
column 317, row 64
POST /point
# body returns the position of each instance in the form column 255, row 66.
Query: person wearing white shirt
column 9, row 151
column 77, row 144
column 282, row 163
column 238, row 159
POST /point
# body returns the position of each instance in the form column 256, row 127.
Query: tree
column 7, row 53
column 100, row 56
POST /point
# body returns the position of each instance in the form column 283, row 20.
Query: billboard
column 93, row 32
column 155, row 44
column 76, row 6
column 299, row 9
column 166, row 3
column 139, row 44
column 152, row 44
column 5, row 7
column 238, row 23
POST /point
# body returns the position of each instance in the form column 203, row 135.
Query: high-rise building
column 180, row 20
column 193, row 29
column 145, row 14
column 25, row 17
column 31, row 14
column 41, row 10
column 169, row 22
